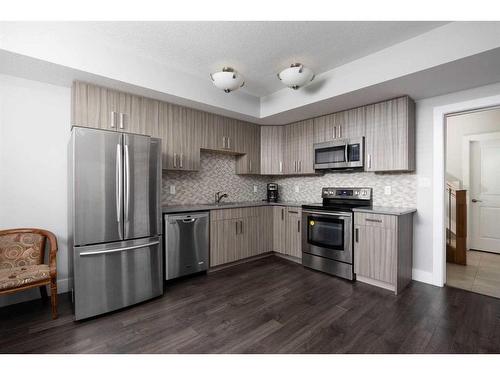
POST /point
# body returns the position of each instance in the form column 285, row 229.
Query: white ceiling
column 356, row 62
column 258, row 50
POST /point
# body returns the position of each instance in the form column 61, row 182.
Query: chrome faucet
column 219, row 196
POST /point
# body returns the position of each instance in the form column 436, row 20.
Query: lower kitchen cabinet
column 383, row 249
column 239, row 233
column 293, row 236
column 287, row 238
column 279, row 229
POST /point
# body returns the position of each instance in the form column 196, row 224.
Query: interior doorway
column 473, row 201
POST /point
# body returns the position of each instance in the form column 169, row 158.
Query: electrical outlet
column 172, row 189
column 296, row 188
column 388, row 190
column 255, row 188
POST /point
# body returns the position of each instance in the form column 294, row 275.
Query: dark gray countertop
column 224, row 205
column 386, row 210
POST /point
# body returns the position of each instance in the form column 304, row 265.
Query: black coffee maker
column 272, row 192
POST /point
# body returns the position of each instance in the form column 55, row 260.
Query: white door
column 485, row 195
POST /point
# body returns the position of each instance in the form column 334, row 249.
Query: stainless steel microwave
column 346, row 153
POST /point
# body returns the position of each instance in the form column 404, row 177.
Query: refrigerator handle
column 120, row 249
column 119, row 187
column 126, row 183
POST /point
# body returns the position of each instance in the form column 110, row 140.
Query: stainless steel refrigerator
column 115, row 220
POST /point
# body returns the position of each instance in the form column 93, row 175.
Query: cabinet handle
column 340, row 131
column 298, row 226
column 236, row 226
column 374, row 220
column 369, row 161
column 223, row 142
column 112, row 119
column 281, row 167
column 228, row 142
column 122, row 120
column 300, row 165
column 357, row 234
column 282, row 214
column 295, row 166
column 175, row 160
column 250, row 166
column 241, row 227
column 181, row 158
column 334, row 132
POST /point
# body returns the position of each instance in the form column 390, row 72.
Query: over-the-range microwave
column 346, row 153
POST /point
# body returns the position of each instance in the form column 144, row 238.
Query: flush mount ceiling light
column 296, row 76
column 228, row 79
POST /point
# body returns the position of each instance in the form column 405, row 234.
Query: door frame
column 466, row 143
column 439, row 177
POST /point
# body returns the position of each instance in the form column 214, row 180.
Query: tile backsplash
column 217, row 173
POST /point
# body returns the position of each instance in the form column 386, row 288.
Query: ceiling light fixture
column 228, row 79
column 296, row 76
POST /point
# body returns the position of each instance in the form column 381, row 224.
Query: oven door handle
column 337, row 214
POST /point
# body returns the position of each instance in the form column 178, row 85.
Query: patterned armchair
column 22, row 254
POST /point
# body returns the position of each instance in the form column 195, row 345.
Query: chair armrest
column 52, row 254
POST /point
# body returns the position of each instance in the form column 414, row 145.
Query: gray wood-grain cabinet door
column 351, row 123
column 279, row 229
column 144, row 116
column 305, row 152
column 94, row 106
column 293, row 244
column 324, row 128
column 248, row 143
column 290, row 164
column 375, row 253
column 222, row 241
column 178, row 129
column 390, row 136
column 271, row 152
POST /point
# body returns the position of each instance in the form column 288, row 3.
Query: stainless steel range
column 327, row 230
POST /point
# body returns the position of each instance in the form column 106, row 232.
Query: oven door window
column 328, row 155
column 326, row 232
column 353, row 152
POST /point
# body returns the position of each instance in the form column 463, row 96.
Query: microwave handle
column 345, row 153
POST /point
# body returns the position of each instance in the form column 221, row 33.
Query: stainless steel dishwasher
column 186, row 243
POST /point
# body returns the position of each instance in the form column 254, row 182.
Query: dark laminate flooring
column 269, row 305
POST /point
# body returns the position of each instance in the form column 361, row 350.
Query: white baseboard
column 423, row 276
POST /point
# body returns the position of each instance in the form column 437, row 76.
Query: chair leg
column 53, row 298
column 43, row 293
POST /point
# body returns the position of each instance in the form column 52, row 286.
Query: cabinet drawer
column 234, row 213
column 375, row 220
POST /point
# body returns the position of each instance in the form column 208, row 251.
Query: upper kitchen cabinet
column 272, row 141
column 94, row 106
column 390, row 136
column 218, row 133
column 325, row 128
column 248, row 142
column 345, row 124
column 351, row 123
column 299, row 157
column 178, row 128
column 144, row 117
column 102, row 108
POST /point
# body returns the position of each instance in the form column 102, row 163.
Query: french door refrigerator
column 115, row 223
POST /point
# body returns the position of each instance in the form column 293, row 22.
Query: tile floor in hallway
column 481, row 275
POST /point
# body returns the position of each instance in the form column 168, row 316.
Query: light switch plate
column 296, row 188
column 172, row 189
column 388, row 190
column 255, row 188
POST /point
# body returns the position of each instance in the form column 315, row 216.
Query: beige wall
column 460, row 125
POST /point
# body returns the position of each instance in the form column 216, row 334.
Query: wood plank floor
column 269, row 305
